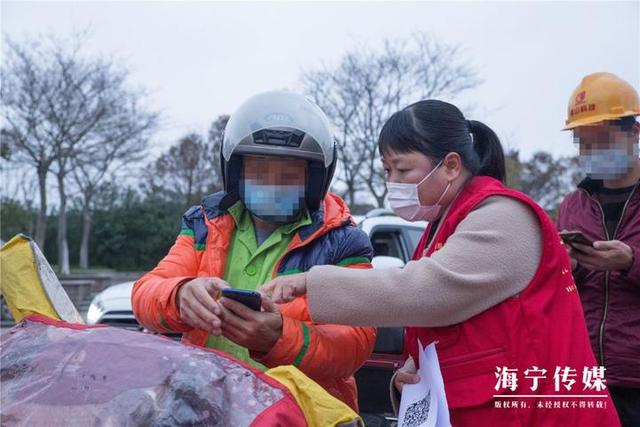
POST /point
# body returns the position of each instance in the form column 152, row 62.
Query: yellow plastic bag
column 319, row 407
column 30, row 286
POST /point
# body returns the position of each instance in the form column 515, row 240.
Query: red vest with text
column 541, row 328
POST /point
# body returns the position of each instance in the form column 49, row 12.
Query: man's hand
column 406, row 375
column 255, row 330
column 285, row 288
column 196, row 300
column 607, row 255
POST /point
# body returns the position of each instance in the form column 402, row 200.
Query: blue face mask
column 609, row 163
column 279, row 204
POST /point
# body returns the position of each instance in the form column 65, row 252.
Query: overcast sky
column 202, row 59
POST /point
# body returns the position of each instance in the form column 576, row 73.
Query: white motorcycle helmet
column 282, row 124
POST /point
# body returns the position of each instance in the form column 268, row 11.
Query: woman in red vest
column 490, row 282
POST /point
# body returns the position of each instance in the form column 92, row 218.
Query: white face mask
column 405, row 202
column 609, row 163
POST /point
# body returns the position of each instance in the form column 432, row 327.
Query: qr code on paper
column 417, row 413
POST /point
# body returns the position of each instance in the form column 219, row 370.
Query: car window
column 414, row 235
column 387, row 243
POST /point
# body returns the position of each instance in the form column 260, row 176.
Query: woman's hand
column 285, row 288
column 406, row 375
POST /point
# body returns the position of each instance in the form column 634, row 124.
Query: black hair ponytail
column 437, row 128
column 487, row 146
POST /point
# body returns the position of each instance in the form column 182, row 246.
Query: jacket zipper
column 606, row 274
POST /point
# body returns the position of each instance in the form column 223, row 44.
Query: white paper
column 424, row 404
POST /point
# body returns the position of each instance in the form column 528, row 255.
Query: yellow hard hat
column 600, row 97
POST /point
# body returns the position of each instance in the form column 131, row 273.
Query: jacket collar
column 592, row 185
column 332, row 213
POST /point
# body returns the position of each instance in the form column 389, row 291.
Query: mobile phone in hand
column 251, row 299
column 571, row 237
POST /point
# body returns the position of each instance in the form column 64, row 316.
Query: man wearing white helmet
column 274, row 217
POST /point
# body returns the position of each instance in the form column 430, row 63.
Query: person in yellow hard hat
column 606, row 209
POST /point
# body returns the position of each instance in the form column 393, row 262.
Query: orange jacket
column 328, row 354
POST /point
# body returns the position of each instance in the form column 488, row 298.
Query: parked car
column 393, row 240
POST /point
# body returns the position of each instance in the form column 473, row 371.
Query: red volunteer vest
column 542, row 327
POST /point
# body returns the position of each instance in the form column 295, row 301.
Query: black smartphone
column 251, row 299
column 570, row 237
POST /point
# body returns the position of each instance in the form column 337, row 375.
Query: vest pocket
column 470, row 379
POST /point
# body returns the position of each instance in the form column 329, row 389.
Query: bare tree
column 337, row 92
column 29, row 136
column 543, row 177
column 367, row 86
column 120, row 141
column 59, row 103
column 183, row 172
column 190, row 169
